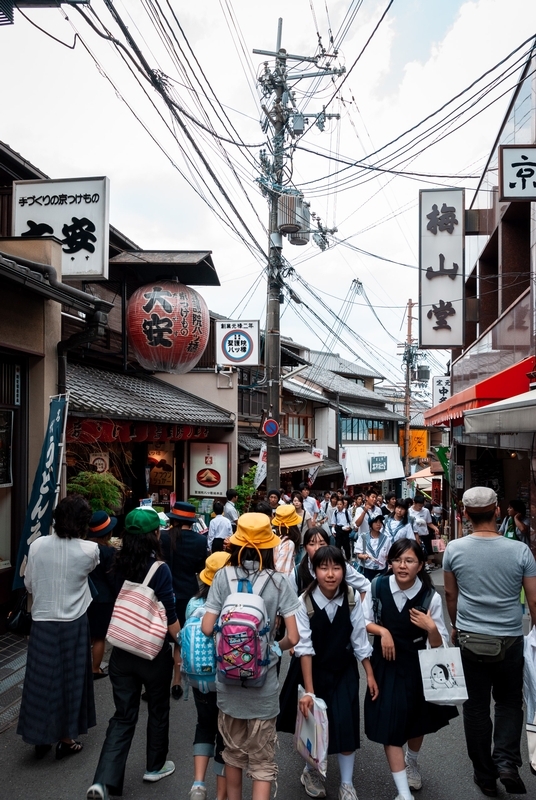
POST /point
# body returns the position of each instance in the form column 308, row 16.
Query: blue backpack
column 198, row 655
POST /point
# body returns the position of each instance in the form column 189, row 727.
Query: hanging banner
column 260, row 473
column 75, row 211
column 313, row 471
column 39, row 514
column 441, row 268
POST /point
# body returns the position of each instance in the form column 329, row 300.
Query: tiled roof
column 304, row 390
column 100, row 393
column 335, row 384
column 335, row 363
column 370, row 412
column 252, row 443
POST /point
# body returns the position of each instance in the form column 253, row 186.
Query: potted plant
column 101, row 489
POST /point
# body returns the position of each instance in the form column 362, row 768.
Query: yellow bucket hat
column 213, row 563
column 255, row 530
column 285, row 516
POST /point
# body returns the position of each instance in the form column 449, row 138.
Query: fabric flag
column 313, row 471
column 39, row 514
column 260, row 472
column 443, row 459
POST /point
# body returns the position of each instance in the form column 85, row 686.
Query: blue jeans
column 504, row 681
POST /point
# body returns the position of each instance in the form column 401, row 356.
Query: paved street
column 446, row 769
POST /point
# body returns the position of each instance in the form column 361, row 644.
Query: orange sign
column 418, row 443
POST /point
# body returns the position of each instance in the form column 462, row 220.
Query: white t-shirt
column 219, row 528
column 369, row 514
column 421, row 519
column 309, row 504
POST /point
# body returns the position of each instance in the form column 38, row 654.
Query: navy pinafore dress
column 335, row 679
column 400, row 712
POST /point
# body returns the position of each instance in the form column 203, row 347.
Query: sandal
column 68, row 749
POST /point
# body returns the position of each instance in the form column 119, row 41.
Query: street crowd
column 334, row 581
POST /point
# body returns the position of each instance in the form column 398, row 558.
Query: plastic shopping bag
column 442, row 675
column 531, row 739
column 529, row 690
column 311, row 734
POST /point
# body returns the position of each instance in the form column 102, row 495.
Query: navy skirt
column 57, row 698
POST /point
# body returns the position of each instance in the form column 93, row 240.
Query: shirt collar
column 322, row 601
column 409, row 593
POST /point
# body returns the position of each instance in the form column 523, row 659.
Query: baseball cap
column 479, row 499
column 142, row 520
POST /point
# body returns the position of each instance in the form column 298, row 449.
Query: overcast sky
column 61, row 112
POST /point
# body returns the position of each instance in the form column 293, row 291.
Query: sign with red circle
column 271, row 427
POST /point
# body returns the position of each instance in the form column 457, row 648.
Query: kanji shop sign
column 440, row 389
column 168, row 326
column 209, row 469
column 88, row 431
column 441, row 268
column 237, row 342
column 517, row 172
column 75, row 211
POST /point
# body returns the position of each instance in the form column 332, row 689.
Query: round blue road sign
column 271, row 427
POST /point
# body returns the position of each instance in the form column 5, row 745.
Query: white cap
column 479, row 499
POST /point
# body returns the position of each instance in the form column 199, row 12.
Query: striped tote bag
column 139, row 622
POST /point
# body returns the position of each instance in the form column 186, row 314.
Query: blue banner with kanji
column 39, row 514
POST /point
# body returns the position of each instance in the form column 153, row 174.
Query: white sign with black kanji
column 237, row 342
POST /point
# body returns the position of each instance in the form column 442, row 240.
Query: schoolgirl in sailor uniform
column 398, row 524
column 373, row 548
column 333, row 635
column 408, row 618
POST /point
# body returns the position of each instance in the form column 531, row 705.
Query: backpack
column 198, row 654
column 377, row 603
column 242, row 633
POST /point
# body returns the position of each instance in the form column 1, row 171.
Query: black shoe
column 68, row 749
column 177, row 691
column 145, row 697
column 42, row 749
column 511, row 780
column 487, row 786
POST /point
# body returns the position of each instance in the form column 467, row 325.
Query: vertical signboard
column 237, row 342
column 440, row 389
column 73, row 210
column 209, row 469
column 441, row 268
column 517, row 173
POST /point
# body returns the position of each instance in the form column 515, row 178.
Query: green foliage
column 102, row 490
column 246, row 490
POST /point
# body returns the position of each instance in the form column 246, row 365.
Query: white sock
column 346, row 767
column 411, row 755
column 402, row 785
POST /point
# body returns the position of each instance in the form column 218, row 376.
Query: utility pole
column 409, row 359
column 283, row 108
column 275, row 244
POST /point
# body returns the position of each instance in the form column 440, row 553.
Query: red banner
column 87, row 431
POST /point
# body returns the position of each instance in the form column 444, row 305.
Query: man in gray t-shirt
column 484, row 574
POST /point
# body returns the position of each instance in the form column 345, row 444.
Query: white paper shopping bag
column 442, row 675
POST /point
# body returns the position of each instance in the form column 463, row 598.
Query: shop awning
column 502, row 385
column 293, row 461
column 423, row 473
column 367, row 462
column 513, row 415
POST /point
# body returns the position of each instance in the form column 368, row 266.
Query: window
column 366, row 430
column 298, row 427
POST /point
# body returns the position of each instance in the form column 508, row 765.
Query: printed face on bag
column 329, row 577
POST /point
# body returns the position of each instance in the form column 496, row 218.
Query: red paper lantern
column 168, row 326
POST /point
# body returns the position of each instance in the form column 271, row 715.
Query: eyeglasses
column 407, row 561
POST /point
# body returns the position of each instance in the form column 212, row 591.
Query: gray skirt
column 57, row 698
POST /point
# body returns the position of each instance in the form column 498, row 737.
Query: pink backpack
column 242, row 633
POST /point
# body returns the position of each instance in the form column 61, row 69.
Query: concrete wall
column 220, row 389
column 326, row 428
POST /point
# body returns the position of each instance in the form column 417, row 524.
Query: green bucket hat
column 142, row 520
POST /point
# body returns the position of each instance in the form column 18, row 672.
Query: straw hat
column 213, row 563
column 285, row 516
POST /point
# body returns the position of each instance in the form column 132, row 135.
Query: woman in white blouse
column 406, row 616
column 57, row 699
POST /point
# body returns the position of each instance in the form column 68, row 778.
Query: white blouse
column 56, row 577
column 397, row 531
column 401, row 596
column 359, row 638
